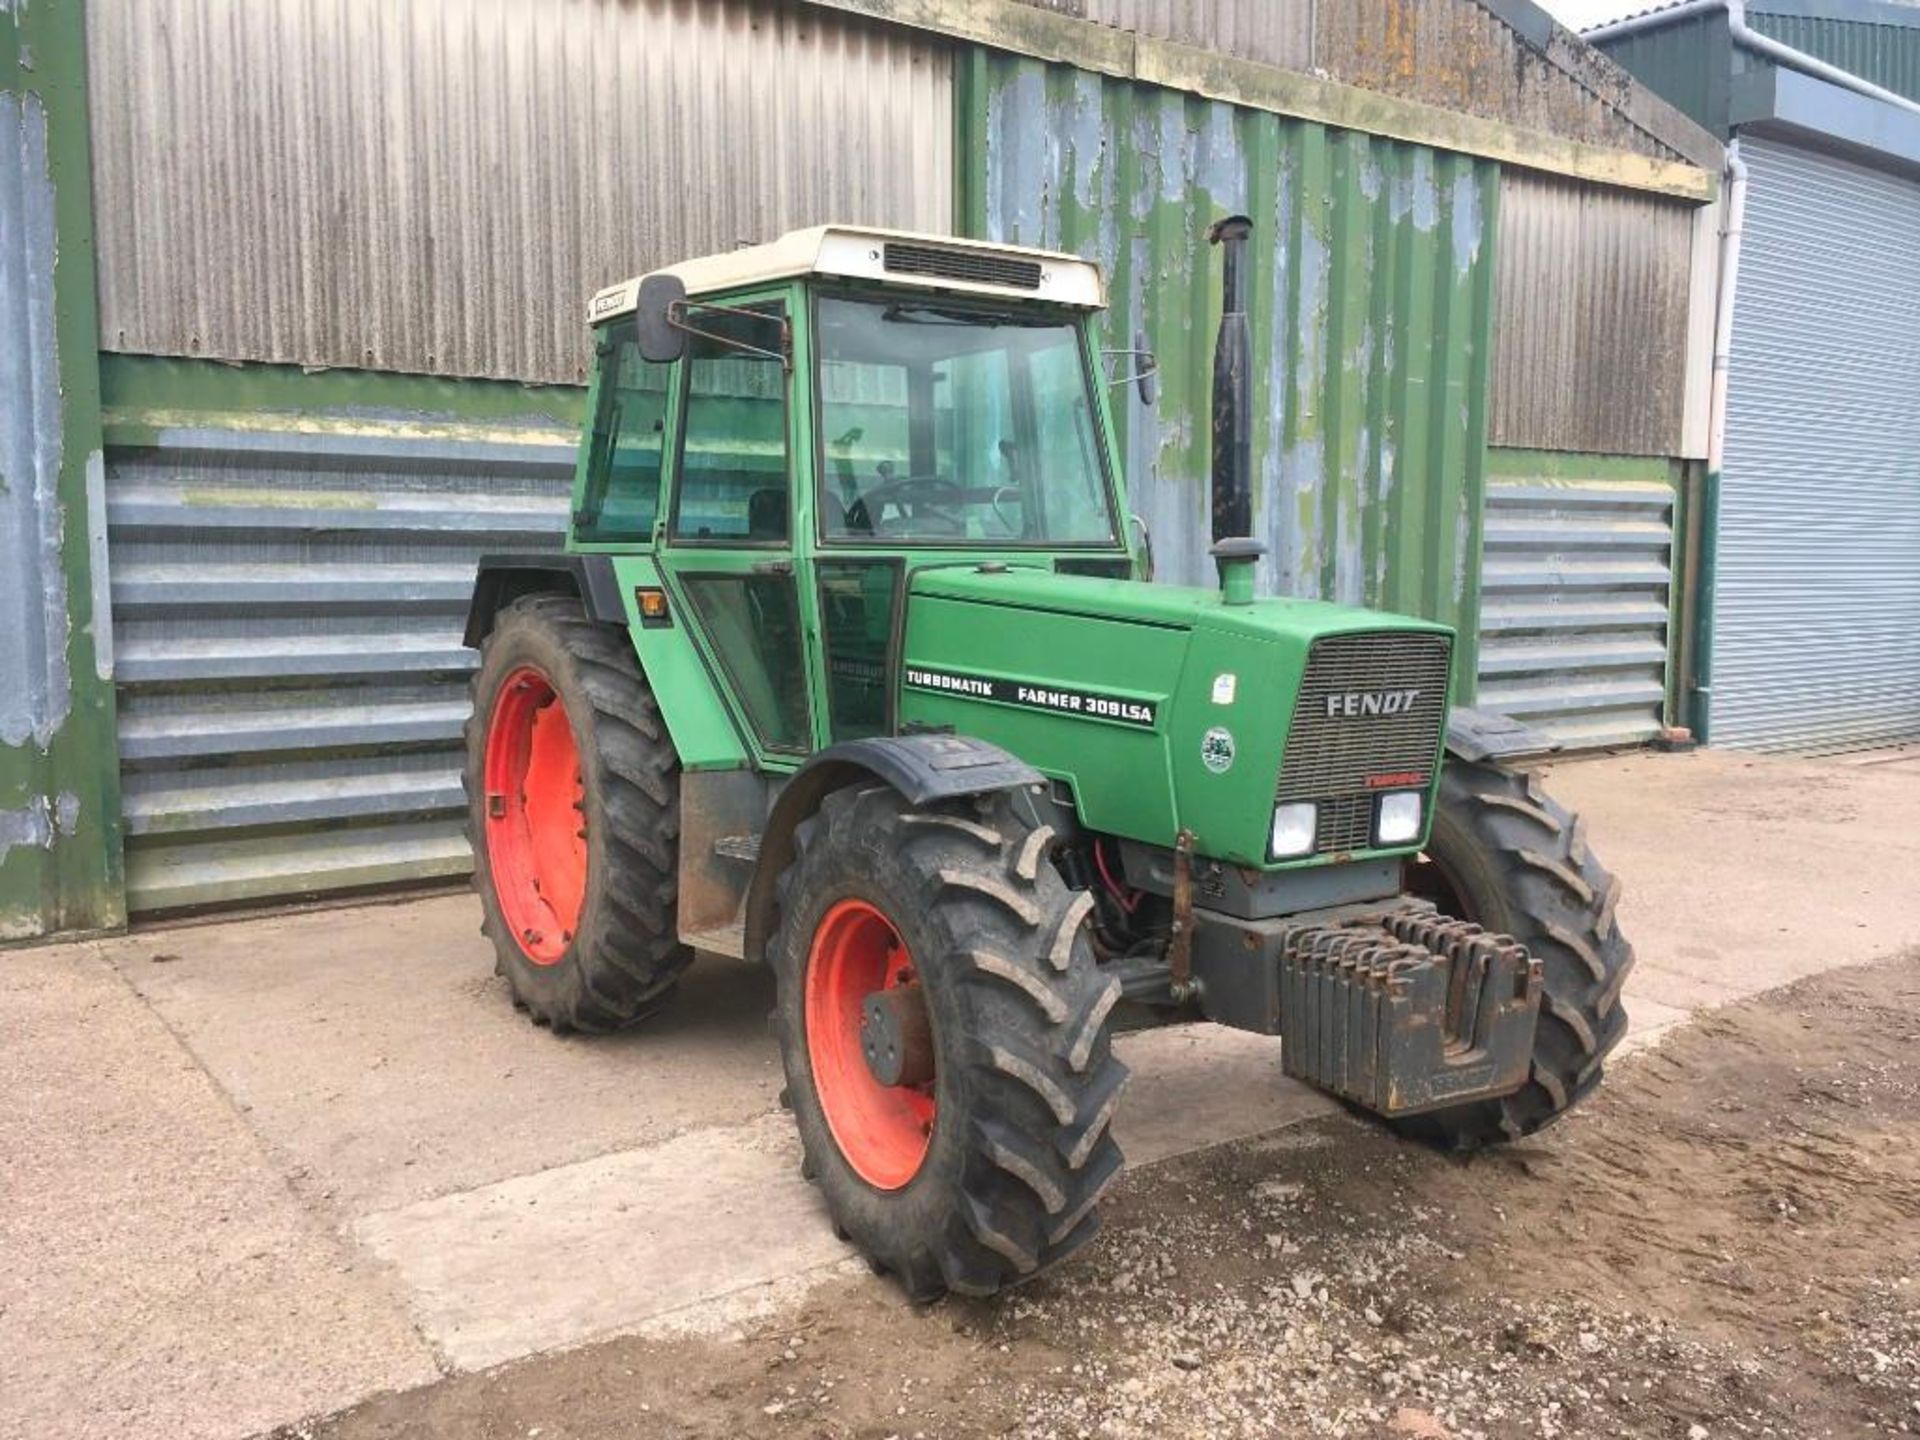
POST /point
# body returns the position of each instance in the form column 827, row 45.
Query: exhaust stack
column 1235, row 551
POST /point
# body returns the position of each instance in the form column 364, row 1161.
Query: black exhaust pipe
column 1235, row 550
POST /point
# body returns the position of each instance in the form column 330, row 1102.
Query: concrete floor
column 260, row 1169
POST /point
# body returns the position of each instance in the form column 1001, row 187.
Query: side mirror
column 661, row 340
column 1149, row 378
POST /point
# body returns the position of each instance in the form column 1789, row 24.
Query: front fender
column 923, row 768
column 1482, row 735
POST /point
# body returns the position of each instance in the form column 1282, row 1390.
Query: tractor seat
column 767, row 515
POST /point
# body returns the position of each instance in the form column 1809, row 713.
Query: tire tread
column 1557, row 899
column 633, row 957
column 1036, row 1059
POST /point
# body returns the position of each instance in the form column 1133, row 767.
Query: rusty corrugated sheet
column 1590, row 318
column 1250, row 29
column 1371, row 308
column 1503, row 60
column 437, row 186
column 1461, row 56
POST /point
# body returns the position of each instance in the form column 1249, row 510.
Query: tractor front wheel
column 944, row 1030
column 573, row 800
column 1506, row 856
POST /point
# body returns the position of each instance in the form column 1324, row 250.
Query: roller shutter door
column 1575, row 589
column 287, row 610
column 1817, row 597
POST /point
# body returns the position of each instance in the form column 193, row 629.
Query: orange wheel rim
column 883, row 1131
column 536, row 817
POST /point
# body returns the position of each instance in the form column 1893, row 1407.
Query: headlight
column 1398, row 821
column 1293, row 828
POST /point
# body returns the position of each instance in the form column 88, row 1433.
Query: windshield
column 954, row 425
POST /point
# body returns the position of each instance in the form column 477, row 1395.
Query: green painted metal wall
column 1693, row 64
column 1886, row 54
column 1372, row 299
column 59, row 794
column 1688, row 63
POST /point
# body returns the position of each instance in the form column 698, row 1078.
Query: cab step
column 727, row 940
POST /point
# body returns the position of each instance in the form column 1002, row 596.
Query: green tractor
column 851, row 665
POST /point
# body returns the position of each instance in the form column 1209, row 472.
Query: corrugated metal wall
column 1574, row 633
column 59, row 806
column 1888, row 54
column 1501, row 60
column 432, row 187
column 288, row 596
column 1372, row 301
column 437, row 186
column 38, row 697
column 1590, row 318
column 1816, row 631
column 1461, row 56
column 1689, row 61
column 1259, row 30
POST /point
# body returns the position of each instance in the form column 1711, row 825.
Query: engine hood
column 1183, row 606
column 1159, row 706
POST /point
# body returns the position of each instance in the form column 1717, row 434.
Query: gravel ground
column 1724, row 1243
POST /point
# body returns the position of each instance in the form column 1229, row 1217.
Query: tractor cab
column 789, row 429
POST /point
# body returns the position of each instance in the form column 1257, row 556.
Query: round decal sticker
column 1216, row 749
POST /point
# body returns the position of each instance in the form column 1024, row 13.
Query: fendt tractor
column 853, row 665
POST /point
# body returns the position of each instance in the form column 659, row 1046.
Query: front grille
column 978, row 267
column 1341, row 761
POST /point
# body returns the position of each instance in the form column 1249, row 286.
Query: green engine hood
column 1160, row 705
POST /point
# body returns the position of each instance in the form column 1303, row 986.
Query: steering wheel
column 935, row 493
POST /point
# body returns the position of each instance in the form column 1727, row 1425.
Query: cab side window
column 622, row 493
column 733, row 486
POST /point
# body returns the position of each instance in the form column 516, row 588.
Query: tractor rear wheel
column 1504, row 855
column 944, row 1029
column 573, row 804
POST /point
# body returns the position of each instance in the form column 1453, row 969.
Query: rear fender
column 923, row 768
column 704, row 735
column 503, row 579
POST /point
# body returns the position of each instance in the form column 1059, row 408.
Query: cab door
column 727, row 547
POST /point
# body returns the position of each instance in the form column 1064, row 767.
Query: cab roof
column 897, row 257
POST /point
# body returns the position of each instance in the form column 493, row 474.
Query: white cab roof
column 897, row 257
